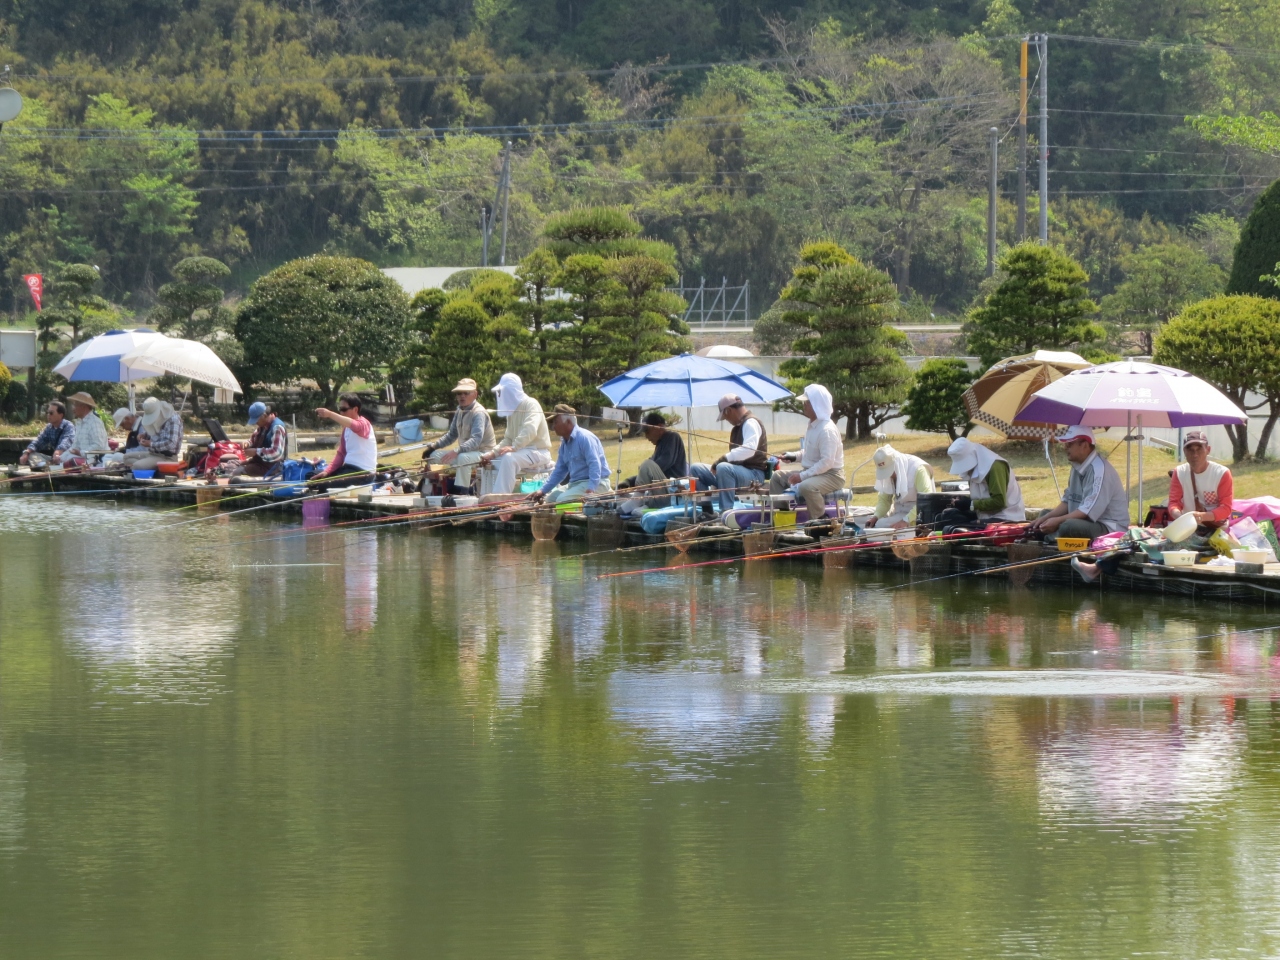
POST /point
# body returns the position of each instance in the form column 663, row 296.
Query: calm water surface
column 232, row 740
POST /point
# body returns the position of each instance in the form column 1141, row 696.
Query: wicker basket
column 680, row 534
column 837, row 559
column 605, row 531
column 1019, row 553
column 757, row 542
column 545, row 524
column 207, row 499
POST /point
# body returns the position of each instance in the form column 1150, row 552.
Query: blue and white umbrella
column 103, row 357
column 690, row 381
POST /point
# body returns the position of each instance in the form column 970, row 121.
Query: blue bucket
column 143, row 474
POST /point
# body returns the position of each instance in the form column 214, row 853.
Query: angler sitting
column 581, row 469
column 57, row 437
column 1211, row 485
column 668, row 460
column 267, row 446
column 91, row 433
column 900, row 479
column 821, row 457
column 473, row 431
column 526, row 444
column 131, row 424
column 356, row 460
column 1095, row 501
column 747, row 458
column 993, row 489
column 159, row 438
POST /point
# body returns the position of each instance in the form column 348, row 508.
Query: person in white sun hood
column 821, row 457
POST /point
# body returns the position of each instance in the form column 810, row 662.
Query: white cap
column 886, row 462
column 1075, row 433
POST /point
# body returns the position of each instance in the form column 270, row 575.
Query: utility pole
column 1022, row 141
column 1043, row 40
column 506, row 201
column 485, row 227
column 991, row 202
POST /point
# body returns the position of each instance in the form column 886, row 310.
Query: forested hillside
column 254, row 132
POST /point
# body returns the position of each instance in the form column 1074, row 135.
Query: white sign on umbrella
column 186, row 358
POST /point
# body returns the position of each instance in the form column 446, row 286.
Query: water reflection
column 1148, row 764
column 734, row 760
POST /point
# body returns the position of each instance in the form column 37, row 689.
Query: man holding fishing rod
column 1095, row 501
column 582, row 469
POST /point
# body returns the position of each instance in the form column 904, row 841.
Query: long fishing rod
column 801, row 551
column 1007, row 566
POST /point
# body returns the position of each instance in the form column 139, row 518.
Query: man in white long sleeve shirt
column 821, row 458
column 526, row 445
column 91, row 433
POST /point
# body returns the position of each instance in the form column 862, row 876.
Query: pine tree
column 1043, row 301
column 1258, row 252
column 845, row 306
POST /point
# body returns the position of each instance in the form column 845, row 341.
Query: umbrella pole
column 132, row 411
column 1142, row 506
column 1128, row 459
column 1052, row 472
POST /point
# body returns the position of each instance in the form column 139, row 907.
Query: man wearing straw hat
column 91, row 433
column 582, row 469
column 471, row 428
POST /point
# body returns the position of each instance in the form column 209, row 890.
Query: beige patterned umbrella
column 996, row 397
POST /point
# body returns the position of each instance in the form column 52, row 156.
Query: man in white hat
column 472, row 430
column 821, row 457
column 746, row 459
column 994, row 493
column 1210, row 485
column 1095, row 501
column 159, row 439
column 526, row 444
column 91, row 432
column 900, row 479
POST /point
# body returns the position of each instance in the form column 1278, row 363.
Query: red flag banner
column 35, row 283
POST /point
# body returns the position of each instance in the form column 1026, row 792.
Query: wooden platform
column 1134, row 576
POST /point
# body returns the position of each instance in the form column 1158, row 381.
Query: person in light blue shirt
column 581, row 469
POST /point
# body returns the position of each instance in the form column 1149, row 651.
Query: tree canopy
column 330, row 320
column 1041, row 301
column 1231, row 342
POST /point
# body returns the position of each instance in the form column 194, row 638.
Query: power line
column 1228, row 49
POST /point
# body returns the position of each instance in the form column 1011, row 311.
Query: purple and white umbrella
column 1129, row 392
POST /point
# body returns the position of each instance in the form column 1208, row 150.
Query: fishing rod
column 801, row 551
column 1007, row 566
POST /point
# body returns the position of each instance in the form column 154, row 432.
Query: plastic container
column 1181, row 528
column 1251, row 556
column 143, row 474
column 1179, row 558
column 784, row 519
column 1072, row 544
column 530, row 486
column 169, row 469
column 466, row 501
column 433, row 503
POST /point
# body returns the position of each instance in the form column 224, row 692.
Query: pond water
column 235, row 740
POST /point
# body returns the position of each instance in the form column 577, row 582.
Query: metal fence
column 716, row 307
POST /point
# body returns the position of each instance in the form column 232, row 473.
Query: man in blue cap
column 266, row 448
